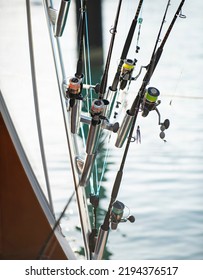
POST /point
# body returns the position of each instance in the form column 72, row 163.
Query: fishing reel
column 74, row 97
column 126, row 72
column 97, row 109
column 150, row 103
column 150, row 100
column 117, row 215
column 74, row 89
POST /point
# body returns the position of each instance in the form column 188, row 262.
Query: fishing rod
column 105, row 74
column 116, row 212
column 153, row 93
column 126, row 47
column 97, row 110
column 154, row 61
column 74, row 88
column 129, row 64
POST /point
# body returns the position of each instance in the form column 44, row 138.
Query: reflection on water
column 162, row 182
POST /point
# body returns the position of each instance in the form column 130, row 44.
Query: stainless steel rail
column 71, row 140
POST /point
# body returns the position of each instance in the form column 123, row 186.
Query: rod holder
column 100, row 244
column 79, row 163
column 75, row 116
column 87, row 169
column 111, row 97
column 114, row 127
column 91, row 150
column 92, row 139
column 124, row 130
column 62, row 17
column 92, row 147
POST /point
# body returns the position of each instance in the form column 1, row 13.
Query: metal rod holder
column 100, row 244
column 111, row 97
column 92, row 139
column 62, row 17
column 124, row 130
column 104, row 124
column 87, row 169
column 75, row 116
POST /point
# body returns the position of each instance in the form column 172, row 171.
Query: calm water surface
column 163, row 181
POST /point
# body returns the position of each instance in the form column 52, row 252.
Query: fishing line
column 176, row 87
column 81, row 32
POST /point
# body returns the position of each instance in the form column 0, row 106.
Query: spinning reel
column 74, row 89
column 117, row 215
column 126, row 72
column 97, row 109
column 150, row 102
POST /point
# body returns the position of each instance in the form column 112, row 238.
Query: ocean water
column 163, row 181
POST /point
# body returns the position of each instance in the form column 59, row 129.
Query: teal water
column 162, row 183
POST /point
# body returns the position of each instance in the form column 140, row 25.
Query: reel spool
column 74, row 88
column 126, row 72
column 97, row 109
column 149, row 101
column 117, row 215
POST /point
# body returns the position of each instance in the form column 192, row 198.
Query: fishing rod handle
column 116, row 186
column 79, row 66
